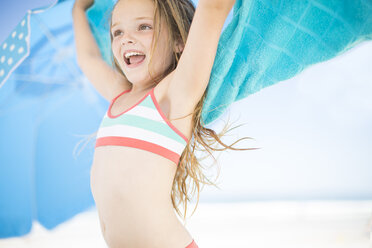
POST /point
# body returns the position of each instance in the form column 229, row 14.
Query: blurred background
column 308, row 186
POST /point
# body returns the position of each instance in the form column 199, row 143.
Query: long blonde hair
column 178, row 15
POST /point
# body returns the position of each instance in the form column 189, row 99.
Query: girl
column 143, row 152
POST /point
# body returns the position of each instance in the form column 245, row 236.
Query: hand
column 84, row 4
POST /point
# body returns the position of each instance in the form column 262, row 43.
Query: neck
column 140, row 89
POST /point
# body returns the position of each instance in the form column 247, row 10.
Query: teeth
column 131, row 54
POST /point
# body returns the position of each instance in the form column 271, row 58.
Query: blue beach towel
column 267, row 41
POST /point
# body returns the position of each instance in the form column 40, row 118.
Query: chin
column 136, row 79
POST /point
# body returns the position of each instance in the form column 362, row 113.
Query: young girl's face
column 132, row 29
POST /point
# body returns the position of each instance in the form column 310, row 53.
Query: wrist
column 79, row 6
column 78, row 9
column 219, row 4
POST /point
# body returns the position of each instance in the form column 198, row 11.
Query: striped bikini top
column 143, row 126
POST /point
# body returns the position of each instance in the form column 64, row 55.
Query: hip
column 134, row 229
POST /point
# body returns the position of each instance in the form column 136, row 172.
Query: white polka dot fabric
column 15, row 48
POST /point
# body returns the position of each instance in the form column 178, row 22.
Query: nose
column 127, row 38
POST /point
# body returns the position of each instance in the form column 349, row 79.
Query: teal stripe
column 144, row 123
column 148, row 103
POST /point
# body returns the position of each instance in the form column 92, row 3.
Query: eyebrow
column 138, row 18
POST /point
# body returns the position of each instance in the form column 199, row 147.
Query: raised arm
column 191, row 76
column 105, row 79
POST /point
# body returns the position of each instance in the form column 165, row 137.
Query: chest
column 160, row 103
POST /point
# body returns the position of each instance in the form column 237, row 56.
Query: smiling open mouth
column 134, row 59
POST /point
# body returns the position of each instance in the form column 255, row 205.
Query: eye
column 144, row 27
column 117, row 32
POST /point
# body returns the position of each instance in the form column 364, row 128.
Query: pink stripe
column 192, row 245
column 165, row 118
column 140, row 144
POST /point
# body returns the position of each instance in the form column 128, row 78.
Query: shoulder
column 118, row 88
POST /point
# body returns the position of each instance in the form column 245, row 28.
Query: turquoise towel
column 268, row 41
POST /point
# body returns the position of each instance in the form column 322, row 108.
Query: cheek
column 115, row 49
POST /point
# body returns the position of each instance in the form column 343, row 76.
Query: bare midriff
column 133, row 199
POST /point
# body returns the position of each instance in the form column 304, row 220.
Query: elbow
column 79, row 60
column 85, row 59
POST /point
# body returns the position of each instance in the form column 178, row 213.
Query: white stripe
column 141, row 134
column 147, row 113
column 144, row 112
